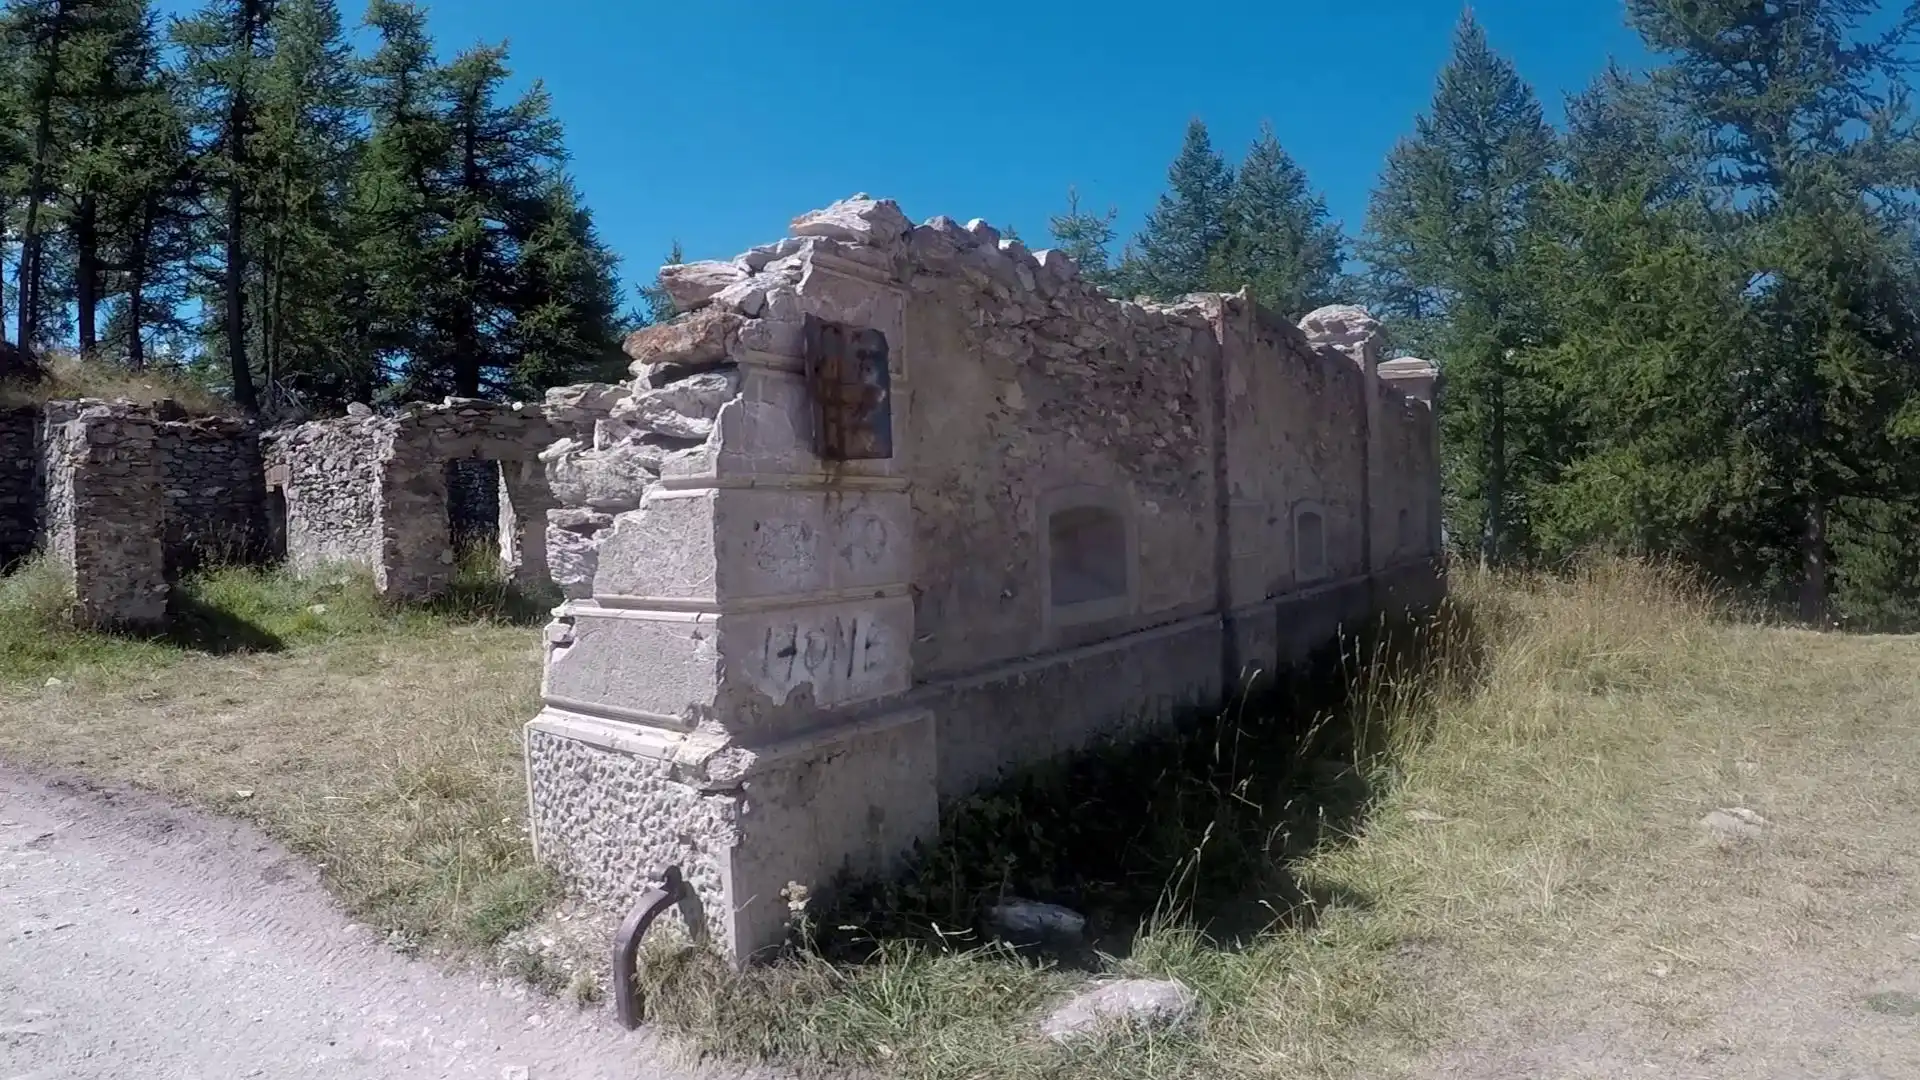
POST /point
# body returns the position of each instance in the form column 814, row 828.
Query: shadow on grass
column 197, row 626
column 1198, row 825
column 479, row 599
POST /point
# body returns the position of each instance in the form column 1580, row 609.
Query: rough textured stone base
column 611, row 817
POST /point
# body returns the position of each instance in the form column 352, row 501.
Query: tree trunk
column 235, row 239
column 86, row 285
column 1813, row 562
column 1495, row 485
column 467, row 360
column 29, row 284
column 136, row 289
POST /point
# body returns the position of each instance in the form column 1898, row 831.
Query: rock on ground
column 1027, row 922
column 1736, row 823
column 1150, row 1003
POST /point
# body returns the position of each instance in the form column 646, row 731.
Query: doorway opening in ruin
column 473, row 507
column 275, row 540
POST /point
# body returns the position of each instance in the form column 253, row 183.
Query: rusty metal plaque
column 852, row 391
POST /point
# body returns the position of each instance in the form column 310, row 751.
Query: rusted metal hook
column 626, row 945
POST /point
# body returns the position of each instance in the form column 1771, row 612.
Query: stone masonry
column 894, row 508
column 373, row 490
column 104, row 500
column 19, row 483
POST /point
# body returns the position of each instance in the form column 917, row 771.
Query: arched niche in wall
column 1089, row 555
column 1309, row 541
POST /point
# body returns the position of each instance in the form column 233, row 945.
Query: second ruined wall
column 1119, row 509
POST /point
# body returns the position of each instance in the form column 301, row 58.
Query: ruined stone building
column 127, row 498
column 894, row 509
column 397, row 493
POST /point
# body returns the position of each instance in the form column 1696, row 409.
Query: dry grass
column 1531, row 889
column 382, row 743
column 1529, row 894
column 67, row 376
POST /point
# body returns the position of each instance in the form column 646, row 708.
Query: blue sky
column 716, row 121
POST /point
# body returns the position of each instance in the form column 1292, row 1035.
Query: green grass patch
column 238, row 609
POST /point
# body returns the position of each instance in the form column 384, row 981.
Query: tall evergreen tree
column 566, row 316
column 1648, row 310
column 1189, row 226
column 112, row 75
column 396, row 190
column 225, row 46
column 39, row 35
column 495, row 181
column 1279, row 241
column 149, row 210
column 307, row 141
column 1805, row 108
column 1448, row 229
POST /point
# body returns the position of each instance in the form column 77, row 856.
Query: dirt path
column 141, row 939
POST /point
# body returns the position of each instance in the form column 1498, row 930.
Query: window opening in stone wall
column 1087, row 556
column 473, row 504
column 1309, row 544
column 1403, row 532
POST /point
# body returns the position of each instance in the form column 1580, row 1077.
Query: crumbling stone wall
column 324, row 473
column 104, row 500
column 212, row 475
column 1091, row 513
column 389, row 492
column 19, row 484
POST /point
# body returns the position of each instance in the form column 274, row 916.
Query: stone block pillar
column 720, row 705
column 1358, row 336
column 1419, row 380
column 106, row 503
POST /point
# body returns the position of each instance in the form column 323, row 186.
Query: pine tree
column 149, row 210
column 1805, row 107
column 392, row 214
column 225, row 46
column 112, row 73
column 566, row 316
column 1279, row 239
column 654, row 297
column 1647, row 306
column 39, row 37
column 307, row 143
column 496, row 172
column 1447, row 229
column 1189, row 226
column 1085, row 238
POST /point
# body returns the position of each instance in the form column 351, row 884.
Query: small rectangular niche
column 1089, row 558
column 1309, row 542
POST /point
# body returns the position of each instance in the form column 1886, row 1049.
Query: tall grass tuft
column 1271, row 855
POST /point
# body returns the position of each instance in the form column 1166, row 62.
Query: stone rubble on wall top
column 859, row 219
column 703, row 339
column 1340, row 324
column 693, row 284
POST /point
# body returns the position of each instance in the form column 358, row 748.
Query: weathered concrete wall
column 19, row 485
column 1092, row 515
